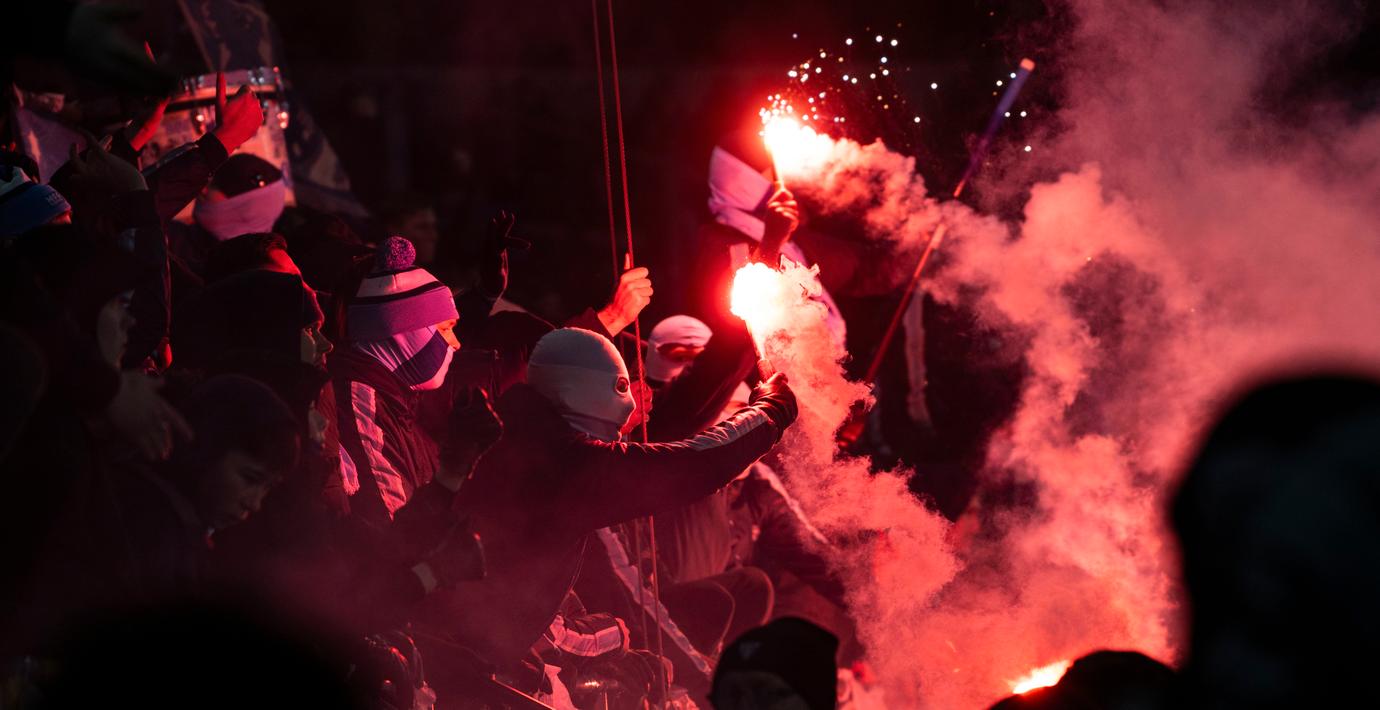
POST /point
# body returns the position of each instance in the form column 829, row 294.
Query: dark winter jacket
column 544, row 488
column 384, row 455
column 693, row 541
column 696, row 399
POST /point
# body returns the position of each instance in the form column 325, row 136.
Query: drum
column 191, row 113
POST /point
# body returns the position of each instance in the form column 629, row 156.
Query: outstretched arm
column 617, row 482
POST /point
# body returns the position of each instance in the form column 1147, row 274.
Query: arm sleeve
column 587, row 636
column 121, row 148
column 615, row 482
column 696, row 399
column 178, row 181
column 589, row 320
column 423, row 521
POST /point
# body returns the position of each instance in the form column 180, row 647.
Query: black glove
column 775, row 398
column 472, row 429
column 493, row 269
column 459, row 557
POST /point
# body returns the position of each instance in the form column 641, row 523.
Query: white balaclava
column 676, row 330
column 584, row 376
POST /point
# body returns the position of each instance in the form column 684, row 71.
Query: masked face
column 595, row 403
column 585, row 378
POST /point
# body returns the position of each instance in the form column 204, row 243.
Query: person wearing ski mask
column 561, row 471
column 400, row 332
column 693, row 372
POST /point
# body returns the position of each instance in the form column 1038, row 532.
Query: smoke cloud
column 1192, row 242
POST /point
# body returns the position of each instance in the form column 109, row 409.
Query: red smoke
column 1191, row 244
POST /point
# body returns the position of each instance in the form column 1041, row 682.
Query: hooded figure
column 672, row 345
column 559, row 473
column 400, row 326
column 582, row 374
column 245, row 443
column 138, row 533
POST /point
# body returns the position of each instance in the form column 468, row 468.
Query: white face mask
column 586, row 379
column 596, row 403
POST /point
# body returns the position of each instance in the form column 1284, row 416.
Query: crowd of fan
column 250, row 458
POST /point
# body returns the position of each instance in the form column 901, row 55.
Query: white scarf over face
column 737, row 194
column 583, row 375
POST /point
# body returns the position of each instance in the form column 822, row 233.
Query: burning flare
column 760, row 297
column 795, row 149
column 1042, row 677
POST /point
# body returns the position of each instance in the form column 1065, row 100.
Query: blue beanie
column 25, row 204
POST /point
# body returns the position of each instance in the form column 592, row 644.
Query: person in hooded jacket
column 561, row 471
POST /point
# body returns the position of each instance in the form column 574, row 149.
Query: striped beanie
column 393, row 317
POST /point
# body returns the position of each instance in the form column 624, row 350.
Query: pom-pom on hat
column 397, row 296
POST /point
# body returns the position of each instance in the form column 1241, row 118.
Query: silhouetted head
column 786, row 665
column 1278, row 519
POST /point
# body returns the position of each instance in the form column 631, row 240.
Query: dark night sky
column 487, row 105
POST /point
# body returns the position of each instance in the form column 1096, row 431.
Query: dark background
column 478, row 106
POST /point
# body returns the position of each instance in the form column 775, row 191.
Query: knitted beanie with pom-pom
column 397, row 296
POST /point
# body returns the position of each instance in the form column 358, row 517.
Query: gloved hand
column 472, row 429
column 459, row 557
column 493, row 260
column 775, row 398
